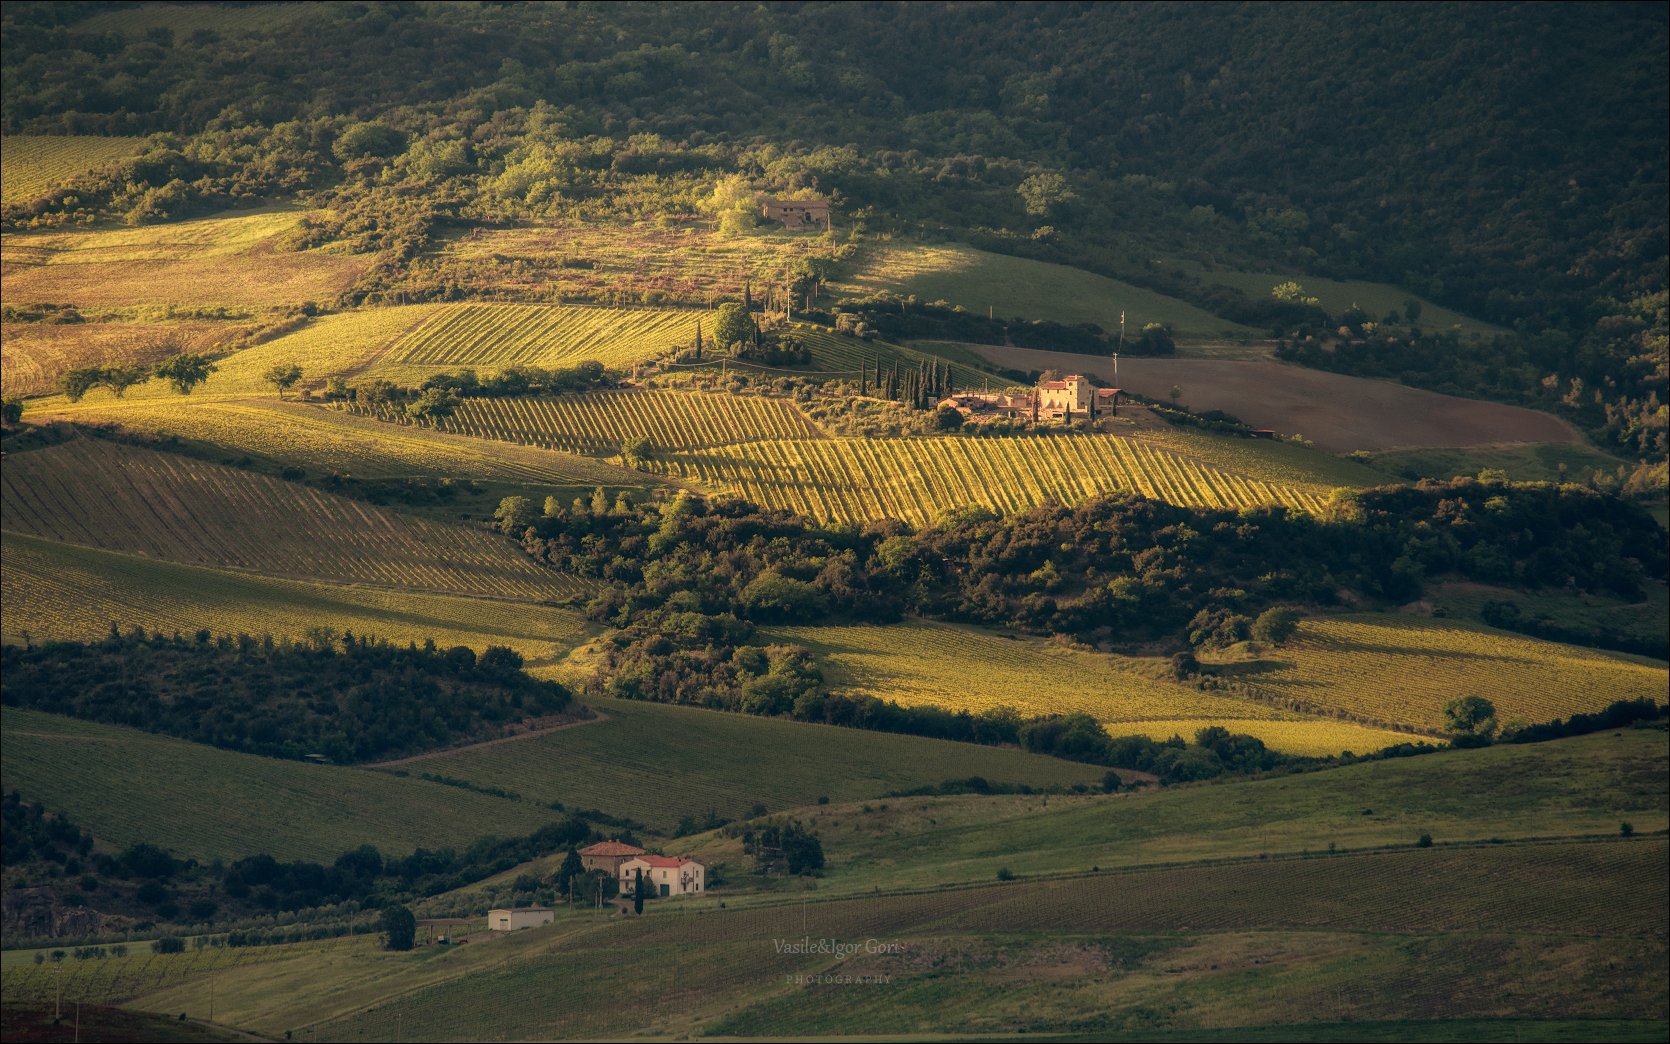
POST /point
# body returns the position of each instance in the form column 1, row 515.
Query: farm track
column 101, row 495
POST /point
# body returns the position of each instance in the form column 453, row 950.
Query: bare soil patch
column 33, row 355
column 1338, row 413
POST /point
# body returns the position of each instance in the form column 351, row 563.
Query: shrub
column 168, row 944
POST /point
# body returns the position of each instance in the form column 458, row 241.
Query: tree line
column 350, row 698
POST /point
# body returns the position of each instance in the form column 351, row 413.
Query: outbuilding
column 520, row 917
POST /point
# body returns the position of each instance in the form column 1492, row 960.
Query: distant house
column 520, row 917
column 798, row 215
column 1071, row 396
column 667, row 875
column 607, row 856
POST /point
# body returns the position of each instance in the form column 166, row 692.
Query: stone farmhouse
column 1051, row 400
column 607, row 856
column 798, row 215
column 667, row 875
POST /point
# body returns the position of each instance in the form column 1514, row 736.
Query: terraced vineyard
column 34, row 164
column 119, row 498
column 1402, row 670
column 915, row 479
column 599, row 422
column 67, row 593
column 964, row 670
column 493, row 336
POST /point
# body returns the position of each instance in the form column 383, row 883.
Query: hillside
column 61, row 592
column 121, row 498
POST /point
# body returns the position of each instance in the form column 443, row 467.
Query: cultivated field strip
column 115, row 979
column 63, row 592
column 1533, row 888
column 494, row 336
column 838, row 353
column 34, row 164
column 119, row 498
column 914, row 479
column 1403, row 670
column 599, row 422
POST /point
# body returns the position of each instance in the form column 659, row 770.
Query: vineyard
column 61, row 592
column 847, row 356
column 323, row 441
column 1403, row 670
column 36, row 164
column 493, row 336
column 599, row 422
column 98, row 494
column 69, row 593
column 688, row 761
column 1314, row 737
column 915, row 479
column 205, row 803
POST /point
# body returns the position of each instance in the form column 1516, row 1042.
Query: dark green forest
column 355, row 701
column 1511, row 162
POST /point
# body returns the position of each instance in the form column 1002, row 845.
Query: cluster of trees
column 352, row 699
column 183, row 372
column 1119, row 564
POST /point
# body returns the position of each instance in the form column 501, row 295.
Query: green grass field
column 63, row 592
column 1539, row 462
column 1013, row 286
column 161, row 505
column 1335, row 297
column 656, row 763
column 1644, row 620
column 1402, row 669
column 1217, row 938
column 33, row 164
column 128, row 786
column 964, row 669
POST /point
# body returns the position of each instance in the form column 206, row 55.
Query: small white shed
column 521, row 917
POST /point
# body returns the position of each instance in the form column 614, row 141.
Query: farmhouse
column 607, row 856
column 667, row 875
column 1070, row 396
column 520, row 917
column 798, row 215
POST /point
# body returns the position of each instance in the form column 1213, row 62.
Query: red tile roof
column 670, row 862
column 611, row 848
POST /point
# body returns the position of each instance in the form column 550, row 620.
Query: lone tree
column 120, row 378
column 948, row 418
column 283, row 377
column 1470, row 716
column 78, row 382
column 432, row 406
column 399, row 928
column 185, row 371
column 636, row 450
column 1275, row 626
column 13, row 411
column 735, row 325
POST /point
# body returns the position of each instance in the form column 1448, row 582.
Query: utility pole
column 1117, row 350
column 58, row 984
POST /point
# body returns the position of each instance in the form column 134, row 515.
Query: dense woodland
column 350, row 699
column 1509, row 162
column 1119, row 567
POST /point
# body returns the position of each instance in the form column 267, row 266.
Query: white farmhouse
column 520, row 917
column 667, row 875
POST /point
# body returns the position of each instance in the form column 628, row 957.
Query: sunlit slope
column 490, row 337
column 33, row 164
column 128, row 786
column 1012, row 286
column 121, row 498
column 1404, row 669
column 63, row 592
column 323, row 441
column 855, row 480
column 600, row 422
column 1335, row 296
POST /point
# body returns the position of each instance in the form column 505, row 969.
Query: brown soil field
column 33, row 355
column 253, row 279
column 1338, row 413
